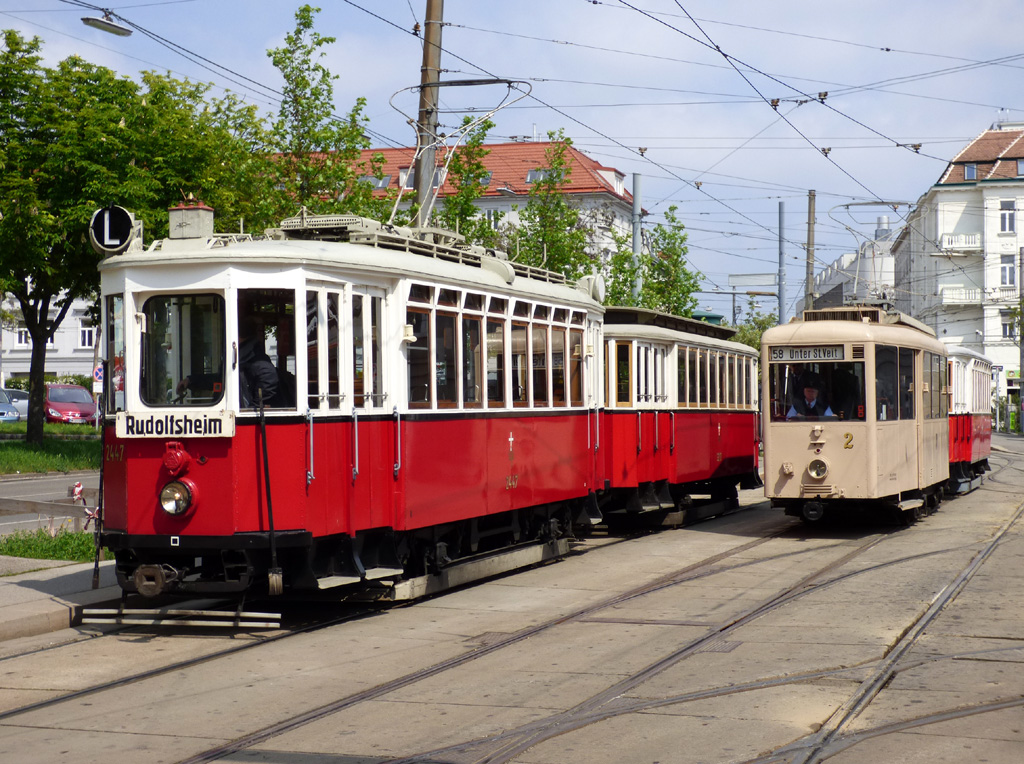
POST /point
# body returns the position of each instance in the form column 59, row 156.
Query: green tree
column 666, row 284
column 551, row 234
column 466, row 172
column 78, row 137
column 317, row 163
column 669, row 283
column 756, row 323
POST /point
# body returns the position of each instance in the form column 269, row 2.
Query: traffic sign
column 97, row 379
column 110, row 230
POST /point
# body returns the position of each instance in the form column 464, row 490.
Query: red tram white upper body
column 422, row 401
column 970, row 418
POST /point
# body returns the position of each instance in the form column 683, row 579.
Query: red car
column 69, row 404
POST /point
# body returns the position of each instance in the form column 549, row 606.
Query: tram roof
column 463, row 267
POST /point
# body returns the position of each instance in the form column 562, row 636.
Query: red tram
column 970, row 418
column 344, row 402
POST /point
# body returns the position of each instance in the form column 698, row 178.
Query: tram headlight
column 177, row 497
column 817, row 468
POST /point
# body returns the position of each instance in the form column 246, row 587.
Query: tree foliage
column 756, row 323
column 466, row 173
column 78, row 137
column 551, row 234
column 317, row 155
column 659, row 279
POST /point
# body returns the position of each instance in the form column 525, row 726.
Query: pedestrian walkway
column 40, row 596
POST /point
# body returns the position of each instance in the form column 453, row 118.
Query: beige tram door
column 897, row 421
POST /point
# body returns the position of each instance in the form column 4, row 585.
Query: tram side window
column 944, row 386
column 266, row 347
column 623, row 372
column 313, row 350
column 702, row 378
column 495, row 363
column 575, row 367
column 114, row 378
column 558, row 366
column 520, row 365
column 540, row 365
column 907, row 381
column 886, row 383
column 419, row 358
column 472, row 394
column 446, row 378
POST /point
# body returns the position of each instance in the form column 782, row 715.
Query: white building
column 71, row 351
column 598, row 191
column 958, row 258
column 866, row 275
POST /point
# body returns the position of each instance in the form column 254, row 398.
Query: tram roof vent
column 867, row 315
column 190, row 220
column 430, row 242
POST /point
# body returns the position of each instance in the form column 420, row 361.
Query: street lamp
column 106, row 24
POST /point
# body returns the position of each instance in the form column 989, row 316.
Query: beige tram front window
column 798, row 392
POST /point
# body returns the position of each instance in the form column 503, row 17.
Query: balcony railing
column 951, row 295
column 961, row 241
column 959, row 296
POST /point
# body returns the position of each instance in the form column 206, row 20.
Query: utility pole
column 637, row 237
column 809, row 285
column 426, row 126
column 782, row 268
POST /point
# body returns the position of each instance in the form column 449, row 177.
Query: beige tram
column 855, row 410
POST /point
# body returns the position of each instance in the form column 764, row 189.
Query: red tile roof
column 994, row 153
column 509, row 164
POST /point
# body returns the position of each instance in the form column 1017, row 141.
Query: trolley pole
column 809, row 283
column 782, row 268
column 426, row 126
column 637, row 237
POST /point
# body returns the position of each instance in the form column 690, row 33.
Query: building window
column 1009, row 330
column 1007, row 270
column 970, row 171
column 493, row 218
column 1020, row 167
column 23, row 339
column 375, row 182
column 1006, row 216
column 85, row 334
column 536, row 176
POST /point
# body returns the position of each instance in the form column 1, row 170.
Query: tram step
column 474, row 570
column 910, row 504
column 174, row 617
column 372, row 574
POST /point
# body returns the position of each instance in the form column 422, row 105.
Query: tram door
column 372, row 422
column 351, row 432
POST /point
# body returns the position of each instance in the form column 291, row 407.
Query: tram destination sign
column 807, row 354
column 176, row 425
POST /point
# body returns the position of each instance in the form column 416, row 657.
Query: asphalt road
column 48, row 487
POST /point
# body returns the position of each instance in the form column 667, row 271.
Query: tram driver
column 811, row 403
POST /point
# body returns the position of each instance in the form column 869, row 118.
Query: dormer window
column 970, row 171
column 540, row 175
column 1020, row 167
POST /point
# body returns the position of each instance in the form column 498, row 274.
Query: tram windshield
column 183, row 350
column 833, row 390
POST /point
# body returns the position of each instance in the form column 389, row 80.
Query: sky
column 874, row 98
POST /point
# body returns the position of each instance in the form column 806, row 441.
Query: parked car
column 8, row 412
column 19, row 398
column 70, row 404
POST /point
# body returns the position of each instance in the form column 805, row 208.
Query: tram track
column 586, row 713
column 604, row 705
